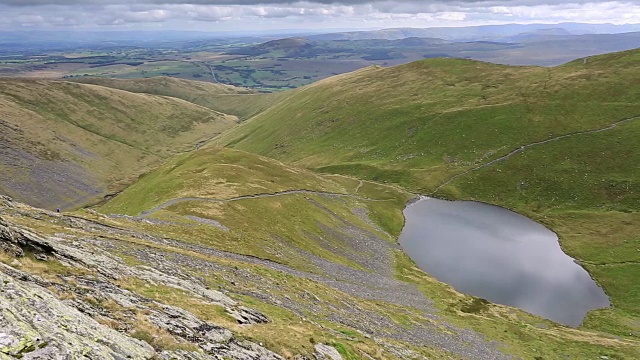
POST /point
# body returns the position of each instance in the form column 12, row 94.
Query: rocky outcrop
column 15, row 241
column 177, row 300
column 37, row 324
column 326, row 352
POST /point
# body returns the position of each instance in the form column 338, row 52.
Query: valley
column 274, row 63
column 207, row 221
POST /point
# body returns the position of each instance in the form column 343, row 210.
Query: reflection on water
column 496, row 254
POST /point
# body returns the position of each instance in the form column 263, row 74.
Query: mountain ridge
column 70, row 144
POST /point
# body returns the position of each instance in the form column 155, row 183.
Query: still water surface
column 501, row 256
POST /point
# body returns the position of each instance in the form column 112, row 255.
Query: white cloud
column 175, row 14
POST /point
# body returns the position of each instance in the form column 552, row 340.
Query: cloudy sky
column 234, row 15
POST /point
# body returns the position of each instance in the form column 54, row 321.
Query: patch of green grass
column 215, row 173
column 475, row 306
column 180, row 298
column 287, row 224
column 345, row 351
column 443, row 115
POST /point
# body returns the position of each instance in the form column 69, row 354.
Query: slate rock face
column 247, row 316
column 37, row 324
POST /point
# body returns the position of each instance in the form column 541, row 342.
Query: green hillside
column 419, row 123
column 67, row 144
column 341, row 230
column 219, row 97
column 219, row 184
column 564, row 141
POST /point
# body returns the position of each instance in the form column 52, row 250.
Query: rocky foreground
column 36, row 324
column 68, row 292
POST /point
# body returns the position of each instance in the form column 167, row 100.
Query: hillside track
column 525, row 147
column 253, row 196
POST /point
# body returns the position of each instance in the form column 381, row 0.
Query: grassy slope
column 70, row 143
column 418, row 123
column 215, row 173
column 421, row 123
column 276, row 228
column 219, row 97
column 218, row 173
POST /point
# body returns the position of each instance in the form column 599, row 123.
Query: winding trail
column 524, row 147
column 360, row 183
column 254, row 196
column 213, row 75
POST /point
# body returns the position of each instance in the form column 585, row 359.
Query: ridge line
column 166, row 204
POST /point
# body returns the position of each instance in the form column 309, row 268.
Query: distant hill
column 477, row 33
column 544, row 47
column 217, row 97
column 67, row 144
column 287, row 46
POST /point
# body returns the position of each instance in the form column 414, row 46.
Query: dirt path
column 360, row 183
column 524, row 147
column 213, row 75
column 254, row 196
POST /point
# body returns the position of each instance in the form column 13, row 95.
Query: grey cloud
column 282, row 2
column 322, row 13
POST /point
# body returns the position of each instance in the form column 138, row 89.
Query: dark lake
column 501, row 256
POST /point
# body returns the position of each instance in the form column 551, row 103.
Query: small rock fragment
column 246, row 316
column 326, row 352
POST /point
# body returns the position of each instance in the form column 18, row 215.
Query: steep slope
column 242, row 191
column 220, row 253
column 558, row 145
column 217, row 97
column 323, row 248
column 66, row 144
column 419, row 123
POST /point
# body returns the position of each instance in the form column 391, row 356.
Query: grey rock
column 6, row 201
column 48, row 352
column 185, row 355
column 42, row 257
column 247, row 316
column 326, row 352
column 36, row 325
column 244, row 350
